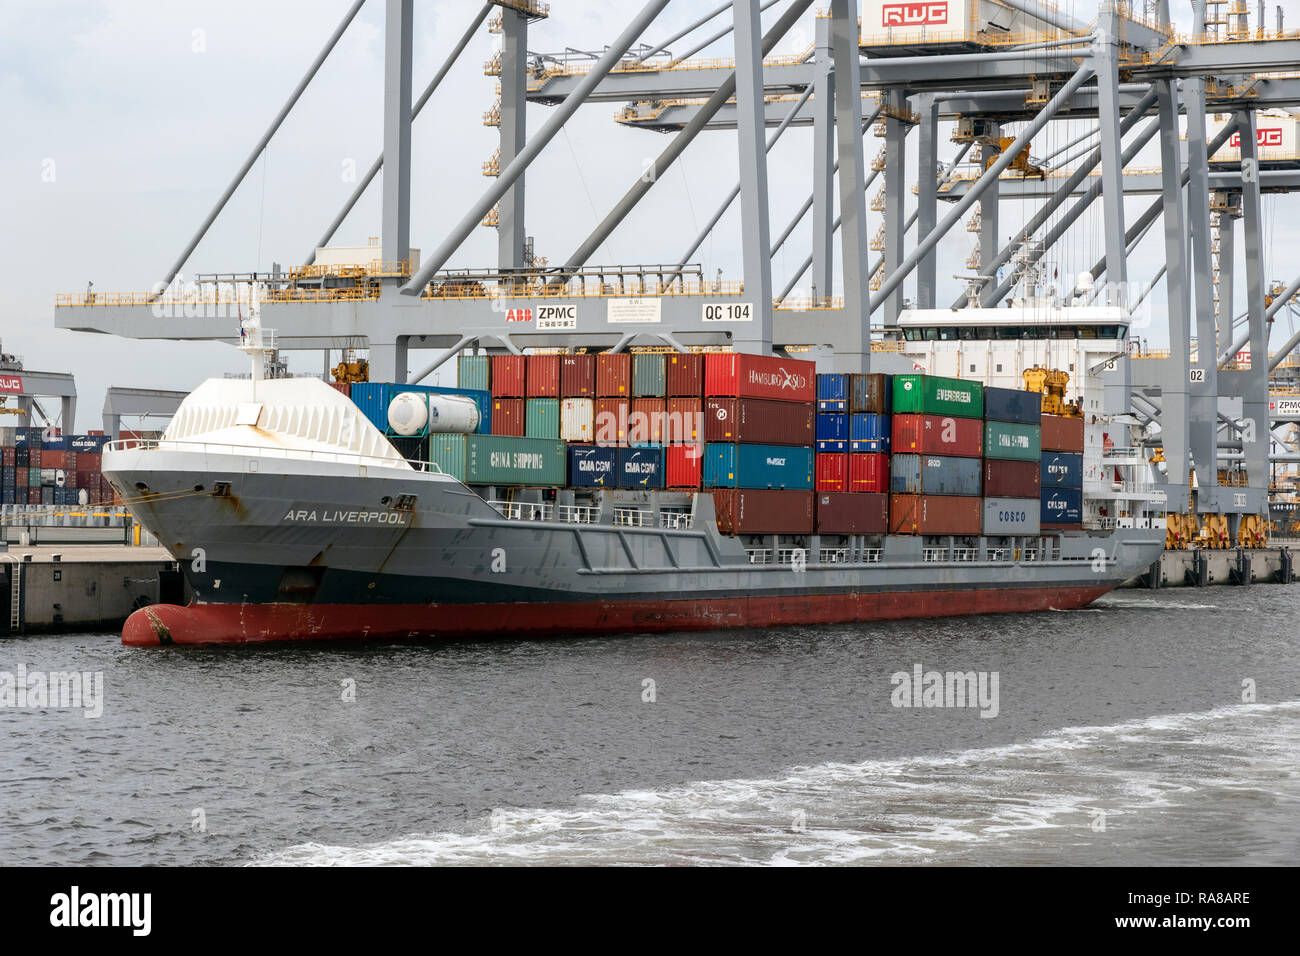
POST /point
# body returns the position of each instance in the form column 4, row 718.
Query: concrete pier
column 1236, row 566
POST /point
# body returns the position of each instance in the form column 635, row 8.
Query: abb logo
column 519, row 315
column 1265, row 137
column 913, row 14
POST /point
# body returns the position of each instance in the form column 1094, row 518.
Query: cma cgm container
column 740, row 375
column 870, row 393
column 832, row 472
column 613, row 375
column 506, row 460
column 611, row 420
column 934, row 475
column 578, row 376
column 640, row 468
column 1010, row 479
column 1013, row 405
column 450, row 453
column 852, row 513
column 934, row 395
column 508, row 375
column 937, row 435
column 934, row 515
column 833, row 392
column 684, row 375
column 758, row 421
column 542, row 376
column 645, row 423
column 542, row 417
column 1062, row 470
column 1011, row 516
column 682, row 465
column 684, row 421
column 591, row 466
column 869, row 473
column 508, row 416
column 749, row 511
column 728, row 465
column 869, row 432
column 1009, row 440
column 474, row 371
column 1062, row 434
column 578, row 419
column 648, row 375
column 1061, row 508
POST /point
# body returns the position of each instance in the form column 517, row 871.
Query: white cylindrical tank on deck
column 458, row 414
column 408, row 413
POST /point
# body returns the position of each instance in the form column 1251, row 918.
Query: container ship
column 579, row 493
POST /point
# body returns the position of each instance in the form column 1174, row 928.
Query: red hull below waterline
column 255, row 623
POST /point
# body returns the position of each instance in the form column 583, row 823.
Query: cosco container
column 685, row 375
column 870, row 393
column 934, row 395
column 934, row 475
column 1061, row 506
column 508, row 417
column 613, row 375
column 611, row 421
column 833, row 392
column 450, row 453
column 934, row 515
column 641, row 468
column 832, row 472
column 645, row 423
column 542, row 378
column 1012, row 405
column 832, row 427
column 648, row 375
column 1062, row 470
column 682, row 465
column 591, row 466
column 758, row 421
column 684, row 420
column 505, row 460
column 542, row 418
column 749, row 511
column 578, row 376
column 1010, row 516
column 578, row 419
column 741, row 375
column 1062, row 434
column 1009, row 440
column 868, row 473
column 729, row 465
column 474, row 371
column 1010, row 479
column 937, row 435
column 869, row 432
column 54, row 443
column 852, row 513
column 508, row 375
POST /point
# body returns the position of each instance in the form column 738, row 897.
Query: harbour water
column 1125, row 733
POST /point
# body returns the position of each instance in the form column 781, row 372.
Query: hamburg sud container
column 832, row 472
column 758, row 421
column 1010, row 479
column 508, row 416
column 748, row 511
column 648, row 379
column 508, row 375
column 1013, row 405
column 542, row 376
column 934, row 395
column 869, row 473
column 1062, row 470
column 682, row 465
column 506, row 460
column 640, row 468
column 833, row 392
column 684, row 375
column 870, row 393
column 1011, row 440
column 832, row 432
column 934, row 475
column 741, row 375
column 869, row 432
column 1061, row 508
column 934, row 515
column 613, row 375
column 591, row 466
column 728, row 465
column 577, row 376
column 1062, row 434
column 1011, row 516
column 847, row 513
column 937, row 435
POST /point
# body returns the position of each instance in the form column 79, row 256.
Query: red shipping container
column 868, row 472
column 578, row 376
column 682, row 466
column 508, row 377
column 935, row 514
column 1011, row 479
column 20, row 476
column 832, row 472
column 89, row 461
column 749, row 511
column 937, row 435
column 685, row 375
column 852, row 513
column 758, row 421
column 343, row 388
column 33, row 496
column 613, row 375
column 8, row 455
column 543, row 376
column 35, row 458
column 740, row 375
column 684, row 421
column 645, row 426
column 508, row 416
column 54, row 459
column 611, row 421
column 1062, row 434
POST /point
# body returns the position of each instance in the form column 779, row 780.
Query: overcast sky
column 124, row 120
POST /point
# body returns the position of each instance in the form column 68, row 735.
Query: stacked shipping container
column 38, row 467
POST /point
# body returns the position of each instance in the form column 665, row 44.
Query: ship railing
column 833, row 555
column 632, row 517
column 524, row 510
column 265, row 451
column 578, row 514
column 934, row 555
column 1029, row 554
column 795, row 557
column 759, row 555
column 964, row 554
column 676, row 520
column 999, row 554
column 873, row 555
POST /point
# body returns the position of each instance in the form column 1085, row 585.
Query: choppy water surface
column 1121, row 737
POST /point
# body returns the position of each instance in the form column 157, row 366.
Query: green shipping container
column 933, row 395
column 474, row 371
column 506, row 460
column 1008, row 440
column 542, row 418
column 449, row 453
column 649, row 378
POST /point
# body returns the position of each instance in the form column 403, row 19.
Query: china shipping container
column 508, row 375
column 591, row 466
column 645, row 424
column 1010, row 479
column 1010, row 516
column 934, row 475
column 474, row 371
column 935, row 395
column 832, row 426
column 833, row 392
column 741, row 375
column 450, row 453
column 750, row 511
column 758, row 421
column 869, row 432
column 685, row 375
column 937, row 435
column 1009, row 440
column 1062, row 434
column 1061, row 506
column 1062, row 470
column 641, row 468
column 508, row 416
column 343, row 388
column 682, row 466
column 611, row 421
column 848, row 513
column 578, row 419
column 506, row 460
column 542, row 376
column 542, row 418
column 832, row 472
column 1012, row 405
column 684, row 422
column 871, row 393
column 730, row 465
column 934, row 515
column 868, row 473
column 613, row 375
column 578, row 376
column 648, row 375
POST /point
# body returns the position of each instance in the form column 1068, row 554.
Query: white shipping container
column 1011, row 516
column 1278, row 138
column 577, row 419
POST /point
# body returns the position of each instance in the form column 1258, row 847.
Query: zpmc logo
column 913, row 14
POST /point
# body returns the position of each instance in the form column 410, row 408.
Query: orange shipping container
column 508, row 416
column 611, row 421
column 935, row 514
column 684, row 421
column 543, row 378
column 613, row 375
column 1062, row 434
column 685, row 374
column 645, row 425
column 507, row 377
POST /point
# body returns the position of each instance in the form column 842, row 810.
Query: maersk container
column 640, row 468
column 682, row 465
column 578, row 419
column 869, row 433
column 474, row 371
column 645, row 423
column 870, row 393
column 449, row 453
column 1062, row 434
column 1010, row 516
column 542, row 379
column 845, row 513
column 648, row 375
column 832, row 427
column 591, row 466
column 578, row 376
column 934, row 475
column 506, row 460
column 613, row 375
column 742, row 375
column 1009, row 440
column 868, row 473
column 684, row 420
column 508, row 417
column 832, row 472
column 508, row 375
column 1013, row 405
column 833, row 392
column 935, row 395
column 1062, row 470
column 748, row 511
column 371, row 398
column 728, row 465
column 758, row 421
column 937, row 435
column 934, row 515
column 685, row 375
column 542, row 418
column 1061, row 506
column 1010, row 479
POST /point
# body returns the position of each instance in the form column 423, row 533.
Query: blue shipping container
column 1062, row 506
column 55, row 443
column 372, row 399
column 1061, row 470
column 832, row 446
column 727, row 465
column 1013, row 405
column 832, row 427
column 833, row 392
column 640, row 467
column 869, row 432
column 88, row 443
column 591, row 466
column 935, row 475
